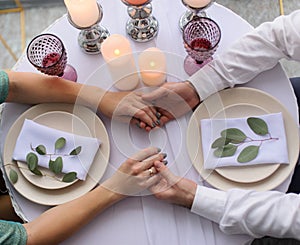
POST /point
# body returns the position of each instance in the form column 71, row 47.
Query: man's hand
column 173, row 99
column 172, row 188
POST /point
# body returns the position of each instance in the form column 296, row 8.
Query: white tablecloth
column 146, row 220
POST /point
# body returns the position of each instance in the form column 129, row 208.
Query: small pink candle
column 117, row 53
column 197, row 3
column 152, row 64
column 84, row 13
column 136, row 2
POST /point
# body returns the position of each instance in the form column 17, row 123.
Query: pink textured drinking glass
column 47, row 54
column 201, row 38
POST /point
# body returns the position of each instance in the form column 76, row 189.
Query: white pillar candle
column 197, row 3
column 136, row 2
column 84, row 13
column 117, row 53
column 152, row 65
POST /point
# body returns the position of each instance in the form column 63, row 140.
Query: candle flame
column 152, row 64
column 117, row 52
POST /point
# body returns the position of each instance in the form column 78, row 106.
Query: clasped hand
column 154, row 109
column 147, row 170
column 136, row 174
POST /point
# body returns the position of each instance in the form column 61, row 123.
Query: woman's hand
column 173, row 99
column 33, row 88
column 136, row 174
column 172, row 188
column 129, row 107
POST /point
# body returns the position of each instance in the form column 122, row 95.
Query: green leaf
column 36, row 171
column 13, row 176
column 248, row 154
column 226, row 151
column 32, row 161
column 41, row 150
column 50, row 164
column 258, row 125
column 76, row 151
column 233, row 135
column 220, row 142
column 57, row 165
column 60, row 143
column 69, row 177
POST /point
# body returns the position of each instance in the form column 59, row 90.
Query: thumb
column 166, row 173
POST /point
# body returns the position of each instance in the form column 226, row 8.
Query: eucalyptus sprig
column 55, row 161
column 232, row 138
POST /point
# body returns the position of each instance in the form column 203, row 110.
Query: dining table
column 143, row 219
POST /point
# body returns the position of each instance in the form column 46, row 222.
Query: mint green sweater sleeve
column 12, row 233
column 4, row 86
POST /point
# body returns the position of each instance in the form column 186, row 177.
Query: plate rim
column 220, row 182
column 58, row 196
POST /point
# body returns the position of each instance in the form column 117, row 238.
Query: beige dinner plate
column 241, row 102
column 60, row 120
column 93, row 128
column 251, row 173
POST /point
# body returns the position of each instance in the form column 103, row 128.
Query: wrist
column 193, row 94
column 190, row 193
column 113, row 196
column 105, row 101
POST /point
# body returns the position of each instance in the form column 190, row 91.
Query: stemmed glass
column 194, row 8
column 142, row 25
column 46, row 52
column 201, row 37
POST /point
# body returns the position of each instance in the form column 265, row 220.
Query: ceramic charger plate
column 60, row 120
column 88, row 124
column 242, row 102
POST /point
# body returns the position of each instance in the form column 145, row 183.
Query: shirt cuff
column 207, row 82
column 209, row 203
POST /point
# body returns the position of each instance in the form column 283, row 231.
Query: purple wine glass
column 46, row 52
column 201, row 38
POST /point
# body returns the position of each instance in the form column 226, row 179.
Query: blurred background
column 21, row 20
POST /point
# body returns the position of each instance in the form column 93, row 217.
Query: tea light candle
column 117, row 53
column 84, row 13
column 152, row 64
column 136, row 2
column 197, row 3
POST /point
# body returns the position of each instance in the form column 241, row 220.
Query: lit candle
column 152, row 64
column 83, row 13
column 197, row 3
column 136, row 2
column 117, row 53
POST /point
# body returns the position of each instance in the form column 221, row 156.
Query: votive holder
column 142, row 25
column 194, row 8
column 90, row 38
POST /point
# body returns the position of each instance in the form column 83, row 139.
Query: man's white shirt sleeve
column 254, row 213
column 239, row 211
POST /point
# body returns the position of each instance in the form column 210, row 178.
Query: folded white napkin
column 33, row 134
column 270, row 151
